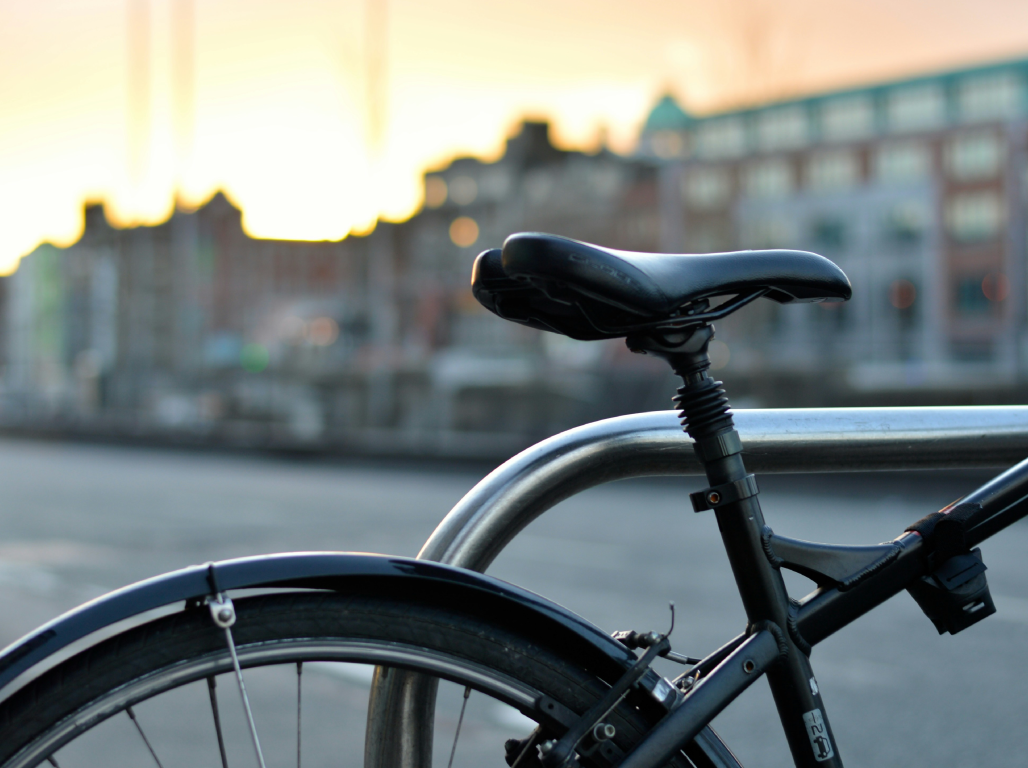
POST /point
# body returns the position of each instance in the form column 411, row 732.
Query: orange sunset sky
column 317, row 118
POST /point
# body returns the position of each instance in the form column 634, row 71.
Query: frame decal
column 820, row 741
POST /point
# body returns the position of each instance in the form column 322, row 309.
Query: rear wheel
column 165, row 693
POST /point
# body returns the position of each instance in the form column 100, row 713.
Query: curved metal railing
column 785, row 440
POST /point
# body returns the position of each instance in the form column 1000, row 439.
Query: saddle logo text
column 818, row 734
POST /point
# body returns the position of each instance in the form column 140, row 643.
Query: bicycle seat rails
column 663, row 305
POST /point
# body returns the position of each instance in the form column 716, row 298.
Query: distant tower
column 138, row 87
column 375, row 44
column 183, row 54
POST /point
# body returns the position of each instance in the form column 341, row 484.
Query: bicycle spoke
column 460, row 720
column 132, row 717
column 283, row 632
column 299, row 699
column 53, row 761
column 223, row 612
column 244, row 697
column 211, row 685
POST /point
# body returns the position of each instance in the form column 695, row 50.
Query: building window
column 974, row 156
column 903, row 297
column 495, row 184
column 902, row 294
column 976, row 294
column 768, row 179
column 971, row 300
column 849, row 117
column 829, row 233
column 724, row 137
column 667, row 144
column 638, row 228
column 604, row 181
column 463, row 190
column 905, row 223
column 708, row 238
column 974, row 216
column 832, row 315
column 706, row 188
column 903, row 163
column 995, row 96
column 435, row 191
column 782, row 128
column 539, row 187
column 916, row 107
column 767, row 232
column 833, row 170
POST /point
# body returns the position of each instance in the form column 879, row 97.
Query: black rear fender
column 377, row 575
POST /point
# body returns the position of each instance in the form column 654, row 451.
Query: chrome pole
column 779, row 440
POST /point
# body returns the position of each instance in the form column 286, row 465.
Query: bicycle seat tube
column 732, row 496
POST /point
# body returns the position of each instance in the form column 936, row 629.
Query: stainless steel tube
column 785, row 440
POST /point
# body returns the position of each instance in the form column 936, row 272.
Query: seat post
column 706, row 416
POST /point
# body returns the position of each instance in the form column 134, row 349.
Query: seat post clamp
column 719, row 495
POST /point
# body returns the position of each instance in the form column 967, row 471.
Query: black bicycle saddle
column 588, row 292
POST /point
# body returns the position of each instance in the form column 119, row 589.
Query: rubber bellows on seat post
column 703, row 408
column 702, row 401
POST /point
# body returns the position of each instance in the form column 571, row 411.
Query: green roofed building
column 915, row 187
column 666, row 130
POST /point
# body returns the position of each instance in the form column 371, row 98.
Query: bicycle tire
column 175, row 651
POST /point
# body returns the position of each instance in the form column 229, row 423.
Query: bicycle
column 590, row 697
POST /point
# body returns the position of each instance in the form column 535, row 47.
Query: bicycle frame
column 818, row 615
column 810, row 440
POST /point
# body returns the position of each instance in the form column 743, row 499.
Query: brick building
column 192, row 327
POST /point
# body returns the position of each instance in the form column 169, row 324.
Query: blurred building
column 192, row 329
column 916, row 188
column 157, row 327
column 497, row 375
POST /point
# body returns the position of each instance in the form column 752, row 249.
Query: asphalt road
column 77, row 520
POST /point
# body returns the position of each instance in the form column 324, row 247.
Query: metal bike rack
column 649, row 444
column 784, row 440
